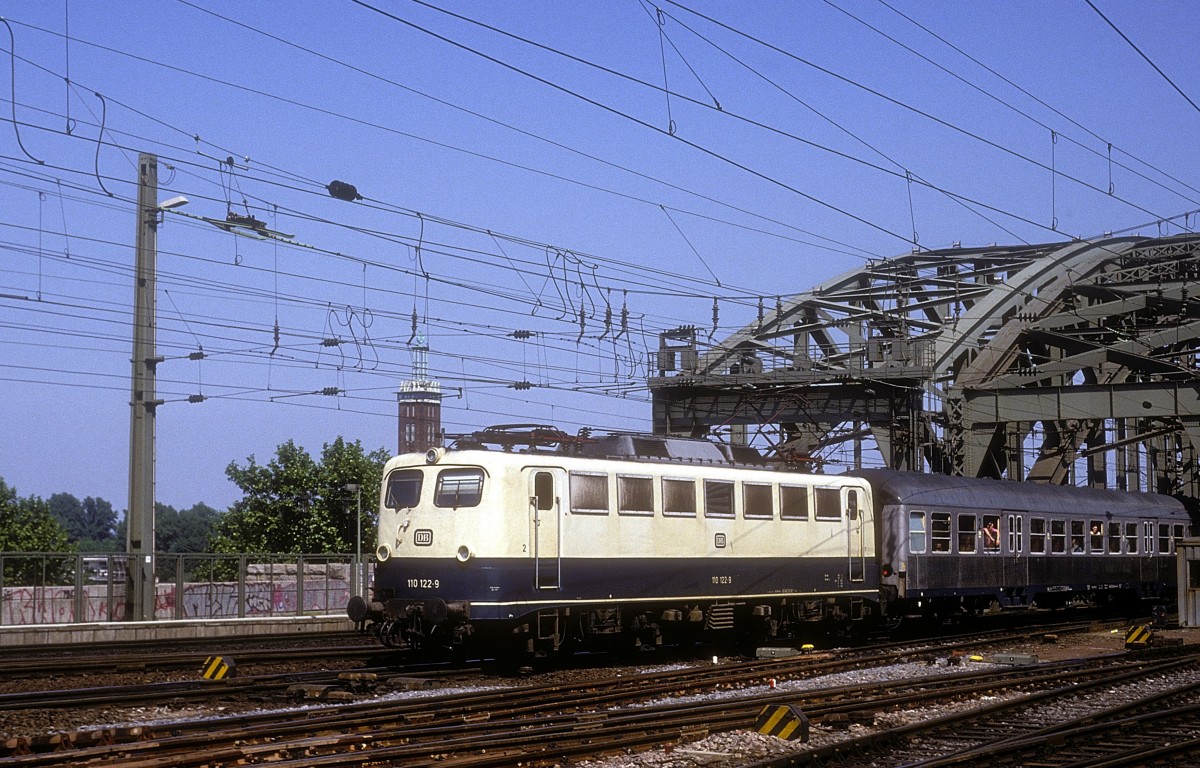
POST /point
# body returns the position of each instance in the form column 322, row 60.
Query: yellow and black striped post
column 1138, row 636
column 784, row 721
column 218, row 668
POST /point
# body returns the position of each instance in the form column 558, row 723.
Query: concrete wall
column 274, row 596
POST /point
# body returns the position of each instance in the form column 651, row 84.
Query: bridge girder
column 1060, row 362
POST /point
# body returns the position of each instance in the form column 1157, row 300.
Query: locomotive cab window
column 793, row 502
column 758, row 501
column 635, row 495
column 829, row 504
column 852, row 504
column 589, row 493
column 679, row 497
column 403, row 489
column 916, row 532
column 718, row 498
column 966, row 533
column 458, row 488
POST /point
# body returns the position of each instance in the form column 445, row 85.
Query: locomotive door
column 545, row 504
column 851, row 502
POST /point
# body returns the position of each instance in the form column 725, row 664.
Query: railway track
column 550, row 723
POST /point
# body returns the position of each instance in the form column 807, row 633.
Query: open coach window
column 403, row 489
column 459, row 488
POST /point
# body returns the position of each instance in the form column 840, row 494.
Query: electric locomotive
column 618, row 540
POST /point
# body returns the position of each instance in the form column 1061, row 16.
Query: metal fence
column 56, row 588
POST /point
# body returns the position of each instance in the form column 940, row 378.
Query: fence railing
column 57, row 588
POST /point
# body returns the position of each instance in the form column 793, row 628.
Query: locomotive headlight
column 434, row 455
column 383, row 552
column 464, row 553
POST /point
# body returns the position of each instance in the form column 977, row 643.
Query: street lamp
column 357, row 582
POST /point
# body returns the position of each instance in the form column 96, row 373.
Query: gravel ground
column 715, row 751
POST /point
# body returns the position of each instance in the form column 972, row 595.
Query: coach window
column 1058, row 537
column 940, row 531
column 1178, row 531
column 758, row 501
column 967, row 525
column 635, row 495
column 403, row 489
column 679, row 497
column 991, row 533
column 829, row 504
column 1096, row 536
column 916, row 532
column 793, row 502
column 1037, row 536
column 852, row 504
column 1131, row 538
column 1147, row 537
column 1016, row 543
column 589, row 493
column 1164, row 539
column 1114, row 538
column 718, row 498
column 458, row 488
column 1077, row 540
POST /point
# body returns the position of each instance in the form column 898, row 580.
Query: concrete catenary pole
column 140, row 596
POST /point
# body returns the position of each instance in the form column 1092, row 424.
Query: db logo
column 423, row 537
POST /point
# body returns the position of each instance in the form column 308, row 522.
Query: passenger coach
column 956, row 545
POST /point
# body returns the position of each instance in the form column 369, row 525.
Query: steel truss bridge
column 1070, row 363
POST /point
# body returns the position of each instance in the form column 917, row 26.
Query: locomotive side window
column 718, row 498
column 758, row 501
column 458, row 488
column 966, row 533
column 679, row 497
column 940, row 531
column 1131, row 538
column 916, row 532
column 635, row 495
column 1058, row 537
column 589, row 493
column 1077, row 540
column 1037, row 536
column 793, row 502
column 991, row 533
column 829, row 504
column 543, row 490
column 1114, row 538
column 403, row 489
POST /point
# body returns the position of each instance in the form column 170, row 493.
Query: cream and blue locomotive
column 624, row 540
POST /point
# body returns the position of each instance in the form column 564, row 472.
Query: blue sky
column 516, row 172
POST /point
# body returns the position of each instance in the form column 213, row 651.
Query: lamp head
column 174, row 202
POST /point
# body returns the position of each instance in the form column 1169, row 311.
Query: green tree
column 295, row 504
column 90, row 521
column 186, row 531
column 27, row 525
